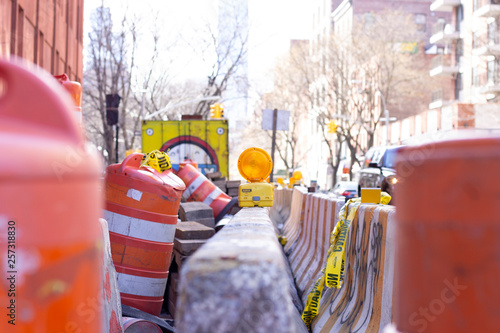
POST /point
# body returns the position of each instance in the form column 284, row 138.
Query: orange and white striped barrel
column 199, row 188
column 141, row 210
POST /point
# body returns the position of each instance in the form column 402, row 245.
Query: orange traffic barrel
column 141, row 210
column 188, row 161
column 74, row 89
column 50, row 206
column 199, row 188
column 447, row 264
column 134, row 325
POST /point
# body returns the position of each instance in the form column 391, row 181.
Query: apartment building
column 344, row 11
column 47, row 33
column 337, row 17
column 468, row 65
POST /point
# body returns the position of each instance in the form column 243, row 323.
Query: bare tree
column 367, row 69
column 110, row 66
column 347, row 78
column 290, row 93
column 388, row 70
column 226, row 49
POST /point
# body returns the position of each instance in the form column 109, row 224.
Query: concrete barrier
column 364, row 303
column 306, row 231
column 280, row 211
column 238, row 281
column 325, row 216
column 293, row 225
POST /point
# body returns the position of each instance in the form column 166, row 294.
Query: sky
column 272, row 22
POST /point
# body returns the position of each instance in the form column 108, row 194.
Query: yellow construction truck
column 202, row 141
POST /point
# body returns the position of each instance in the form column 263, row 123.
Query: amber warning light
column 255, row 165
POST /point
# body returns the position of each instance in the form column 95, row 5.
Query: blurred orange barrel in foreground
column 50, row 206
column 447, row 269
column 141, row 210
column 199, row 188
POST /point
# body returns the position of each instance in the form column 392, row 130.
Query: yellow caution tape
column 312, row 303
column 336, row 257
column 158, row 160
column 333, row 276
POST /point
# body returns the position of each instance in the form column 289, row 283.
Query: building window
column 459, row 17
column 458, row 86
column 421, row 21
column 459, row 51
column 20, row 31
column 41, row 43
column 369, row 20
column 57, row 63
column 493, row 32
column 492, row 72
column 475, row 77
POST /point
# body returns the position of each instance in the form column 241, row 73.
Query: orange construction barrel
column 447, row 267
column 141, row 210
column 188, row 161
column 50, row 206
column 199, row 188
column 74, row 89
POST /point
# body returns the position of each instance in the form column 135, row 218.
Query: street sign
column 282, row 122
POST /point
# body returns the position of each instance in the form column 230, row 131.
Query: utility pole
column 386, row 115
column 386, row 118
column 273, row 147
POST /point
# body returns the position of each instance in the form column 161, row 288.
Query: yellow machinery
column 370, row 195
column 203, row 141
column 255, row 165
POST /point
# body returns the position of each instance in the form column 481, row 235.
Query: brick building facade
column 48, row 33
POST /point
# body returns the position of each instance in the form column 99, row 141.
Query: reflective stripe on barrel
column 141, row 285
column 193, row 186
column 139, row 228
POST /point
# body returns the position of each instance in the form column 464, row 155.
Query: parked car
column 380, row 163
column 346, row 189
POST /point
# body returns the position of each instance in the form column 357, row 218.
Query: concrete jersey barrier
column 364, row 303
column 293, row 225
column 238, row 281
column 310, row 261
column 280, row 211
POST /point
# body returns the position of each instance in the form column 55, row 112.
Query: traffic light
column 216, row 111
column 332, row 126
column 112, row 103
